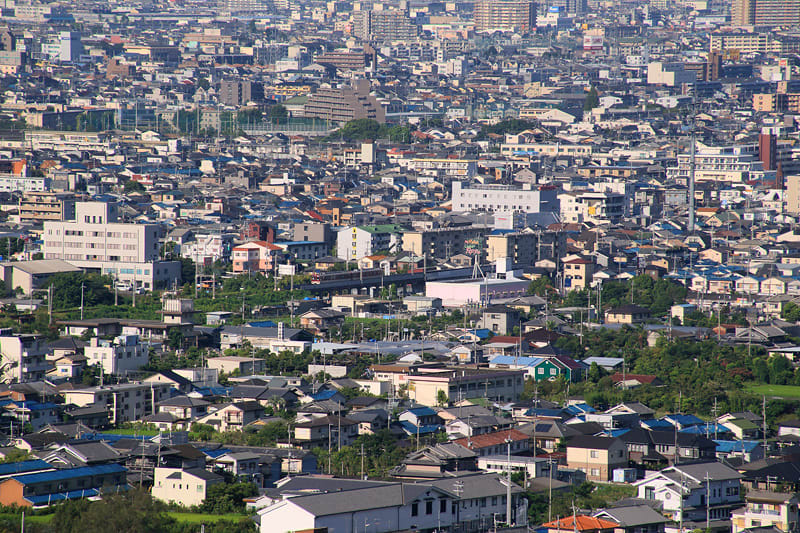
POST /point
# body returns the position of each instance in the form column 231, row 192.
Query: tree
column 278, row 113
column 540, row 286
column 441, row 398
column 67, row 290
column 592, row 100
column 175, row 338
column 133, row 186
column 224, row 498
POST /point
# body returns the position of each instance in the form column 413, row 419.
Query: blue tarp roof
column 411, row 429
column 324, row 395
column 215, row 453
column 422, row 411
column 580, row 408
column 23, row 466
column 69, row 473
column 702, row 429
column 728, row 446
column 656, row 424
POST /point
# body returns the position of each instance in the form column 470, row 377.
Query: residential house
column 186, row 487
column 233, row 416
column 580, row 524
column 598, row 457
column 43, row 488
column 688, row 491
column 767, row 509
column 433, row 462
column 627, row 314
column 634, row 519
column 334, row 430
column 497, row 443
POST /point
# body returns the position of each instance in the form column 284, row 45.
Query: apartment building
column 39, row 206
column 520, row 246
column 345, row 103
column 440, row 243
column 773, row 13
column 591, row 206
column 12, row 183
column 386, row 25
column 504, row 198
column 730, row 164
column 96, row 241
column 495, row 385
column 240, row 92
column 517, row 145
column 454, row 169
column 22, row 357
column 118, row 357
column 124, row 402
column 504, row 15
column 208, row 248
column 361, row 241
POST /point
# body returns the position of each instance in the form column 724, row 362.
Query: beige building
column 767, row 509
column 343, row 104
column 504, row 15
column 124, row 402
column 598, row 457
column 22, row 358
column 95, row 240
column 184, row 487
column 520, row 247
column 39, row 206
column 792, row 193
column 495, row 385
column 627, row 314
column 578, row 274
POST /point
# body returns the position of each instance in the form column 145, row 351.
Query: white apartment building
column 118, row 357
column 733, row 164
column 362, row 241
column 444, row 168
column 14, row 183
column 63, row 141
column 125, row 402
column 591, row 206
column 22, row 357
column 516, row 146
column 208, row 248
column 96, row 241
column 504, row 198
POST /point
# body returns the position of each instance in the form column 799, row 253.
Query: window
column 414, row 509
column 594, row 454
column 649, row 493
column 429, row 507
column 595, row 471
column 442, row 506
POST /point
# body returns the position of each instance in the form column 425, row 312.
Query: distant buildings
column 387, row 25
column 772, row 13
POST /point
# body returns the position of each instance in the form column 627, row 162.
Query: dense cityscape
column 286, row 266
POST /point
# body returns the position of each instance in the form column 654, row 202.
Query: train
column 346, row 275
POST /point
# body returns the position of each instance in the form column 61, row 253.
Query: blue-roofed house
column 746, row 450
column 24, row 467
column 420, row 416
column 683, row 421
column 43, row 488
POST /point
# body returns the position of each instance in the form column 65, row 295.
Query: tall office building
column 773, row 13
column 504, row 15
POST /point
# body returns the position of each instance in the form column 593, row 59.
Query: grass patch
column 29, row 519
column 203, row 518
column 776, row 391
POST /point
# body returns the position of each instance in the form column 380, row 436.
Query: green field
column 776, row 391
column 200, row 518
column 29, row 519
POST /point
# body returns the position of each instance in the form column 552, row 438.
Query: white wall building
column 96, row 241
column 503, row 198
column 22, row 358
column 118, row 357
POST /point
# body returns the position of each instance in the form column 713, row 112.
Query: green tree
column 441, row 398
column 133, row 186
column 592, row 99
column 67, row 290
column 227, row 497
column 278, row 113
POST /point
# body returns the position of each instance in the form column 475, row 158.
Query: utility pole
column 50, row 305
column 708, row 502
column 764, row 422
column 82, row 285
column 508, row 481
